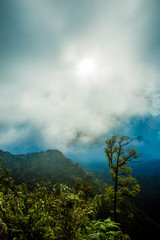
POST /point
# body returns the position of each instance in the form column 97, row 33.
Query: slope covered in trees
column 51, row 212
column 28, row 209
column 59, row 212
column 49, row 165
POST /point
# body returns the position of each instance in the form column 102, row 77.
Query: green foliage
column 51, row 212
column 6, row 181
column 103, row 230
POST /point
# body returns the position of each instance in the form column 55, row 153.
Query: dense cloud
column 45, row 94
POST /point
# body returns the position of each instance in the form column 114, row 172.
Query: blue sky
column 72, row 73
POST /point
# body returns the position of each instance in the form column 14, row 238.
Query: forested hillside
column 49, row 165
column 54, row 212
column 54, row 192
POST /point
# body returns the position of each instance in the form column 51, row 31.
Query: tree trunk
column 116, row 187
column 115, row 197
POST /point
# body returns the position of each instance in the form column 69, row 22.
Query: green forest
column 44, row 197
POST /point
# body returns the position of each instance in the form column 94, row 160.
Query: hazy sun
column 86, row 67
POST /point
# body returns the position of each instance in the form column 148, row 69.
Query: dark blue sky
column 75, row 72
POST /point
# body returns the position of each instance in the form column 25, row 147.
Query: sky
column 75, row 72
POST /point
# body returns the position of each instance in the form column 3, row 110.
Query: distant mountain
column 49, row 165
column 147, row 168
column 140, row 168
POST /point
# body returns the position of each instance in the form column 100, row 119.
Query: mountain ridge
column 46, row 165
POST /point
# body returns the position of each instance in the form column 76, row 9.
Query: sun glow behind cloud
column 86, row 67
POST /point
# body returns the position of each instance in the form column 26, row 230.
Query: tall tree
column 118, row 155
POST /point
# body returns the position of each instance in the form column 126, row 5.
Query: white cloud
column 43, row 90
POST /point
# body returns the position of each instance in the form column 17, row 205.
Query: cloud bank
column 44, row 99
